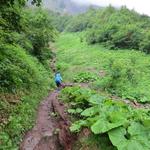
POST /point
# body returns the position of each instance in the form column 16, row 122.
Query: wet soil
column 51, row 130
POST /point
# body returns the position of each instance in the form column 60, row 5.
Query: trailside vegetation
column 126, row 127
column 110, row 108
column 25, row 77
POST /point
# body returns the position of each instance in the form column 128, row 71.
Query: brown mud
column 51, row 130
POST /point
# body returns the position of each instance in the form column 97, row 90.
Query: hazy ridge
column 66, row 6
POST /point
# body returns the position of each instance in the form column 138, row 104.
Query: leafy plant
column 127, row 127
column 85, row 77
column 76, row 96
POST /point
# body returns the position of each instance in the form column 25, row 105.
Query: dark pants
column 58, row 83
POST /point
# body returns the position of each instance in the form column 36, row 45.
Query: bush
column 145, row 43
column 19, row 70
column 114, row 28
column 22, row 33
column 80, row 22
column 76, row 96
column 127, row 37
column 118, row 120
column 40, row 32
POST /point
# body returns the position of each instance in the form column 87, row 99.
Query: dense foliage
column 127, row 128
column 112, row 74
column 114, row 28
column 85, row 77
column 25, row 40
column 121, row 74
column 59, row 21
column 39, row 32
column 24, row 54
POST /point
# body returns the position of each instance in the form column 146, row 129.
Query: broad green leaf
column 103, row 125
column 90, row 111
column 71, row 111
column 135, row 138
column 118, row 139
column 140, row 133
column 117, row 136
column 96, row 99
column 79, row 110
column 75, row 127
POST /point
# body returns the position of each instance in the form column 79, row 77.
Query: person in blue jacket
column 58, row 79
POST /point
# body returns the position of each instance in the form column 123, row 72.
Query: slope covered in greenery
column 107, row 124
column 25, row 77
column 105, row 109
column 114, row 28
column 83, row 57
column 125, row 73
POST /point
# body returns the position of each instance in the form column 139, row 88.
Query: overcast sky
column 141, row 6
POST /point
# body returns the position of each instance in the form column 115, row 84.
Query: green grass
column 127, row 71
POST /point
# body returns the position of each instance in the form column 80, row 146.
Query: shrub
column 145, row 43
column 126, row 80
column 119, row 121
column 40, row 32
column 127, row 37
column 114, row 28
column 19, row 70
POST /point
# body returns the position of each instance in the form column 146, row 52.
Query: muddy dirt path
column 50, row 132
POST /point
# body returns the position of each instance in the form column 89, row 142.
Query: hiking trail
column 51, row 129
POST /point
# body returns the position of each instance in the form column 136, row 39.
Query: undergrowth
column 20, row 119
column 85, row 77
column 25, row 77
column 126, row 127
column 20, row 76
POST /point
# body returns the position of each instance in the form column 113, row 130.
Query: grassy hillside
column 122, row 72
column 113, row 28
column 98, row 121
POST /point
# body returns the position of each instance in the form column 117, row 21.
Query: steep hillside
column 106, row 110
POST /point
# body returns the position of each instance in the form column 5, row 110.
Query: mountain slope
column 65, row 6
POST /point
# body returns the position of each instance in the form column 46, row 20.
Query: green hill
column 113, row 28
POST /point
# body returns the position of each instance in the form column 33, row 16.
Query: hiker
column 58, row 79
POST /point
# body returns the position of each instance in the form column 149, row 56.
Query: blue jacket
column 58, row 77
